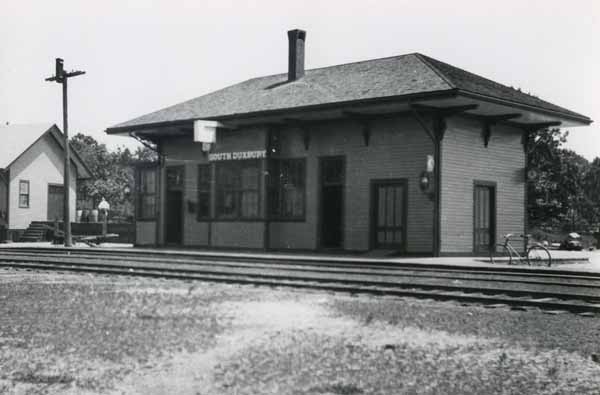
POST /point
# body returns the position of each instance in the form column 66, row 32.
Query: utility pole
column 61, row 77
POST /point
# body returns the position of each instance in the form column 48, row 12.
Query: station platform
column 579, row 261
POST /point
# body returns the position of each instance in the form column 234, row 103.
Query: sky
column 140, row 56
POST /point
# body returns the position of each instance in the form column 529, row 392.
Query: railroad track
column 551, row 290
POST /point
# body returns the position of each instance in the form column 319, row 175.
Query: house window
column 287, row 188
column 203, row 191
column 146, row 193
column 238, row 186
column 23, row 194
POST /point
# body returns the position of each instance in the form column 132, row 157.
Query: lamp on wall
column 424, row 181
column 426, row 178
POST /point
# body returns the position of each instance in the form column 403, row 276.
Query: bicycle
column 536, row 253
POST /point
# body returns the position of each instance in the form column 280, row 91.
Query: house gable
column 41, row 164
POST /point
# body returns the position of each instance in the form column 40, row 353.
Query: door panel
column 388, row 214
column 332, row 179
column 484, row 222
column 55, row 202
column 174, row 205
column 173, row 220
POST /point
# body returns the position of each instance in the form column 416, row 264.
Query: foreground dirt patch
column 97, row 334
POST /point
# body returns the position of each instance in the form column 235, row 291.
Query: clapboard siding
column 41, row 164
column 183, row 151
column 145, row 233
column 464, row 160
column 397, row 148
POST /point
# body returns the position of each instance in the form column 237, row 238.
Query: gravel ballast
column 95, row 334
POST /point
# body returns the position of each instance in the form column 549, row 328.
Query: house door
column 484, row 217
column 332, row 201
column 388, row 216
column 55, row 202
column 174, row 205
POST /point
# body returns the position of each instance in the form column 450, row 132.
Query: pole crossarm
column 60, row 79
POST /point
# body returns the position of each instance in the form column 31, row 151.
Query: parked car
column 572, row 242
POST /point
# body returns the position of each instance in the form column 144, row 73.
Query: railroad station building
column 406, row 154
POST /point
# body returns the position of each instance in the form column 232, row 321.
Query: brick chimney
column 296, row 38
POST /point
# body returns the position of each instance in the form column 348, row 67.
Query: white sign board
column 240, row 155
column 205, row 131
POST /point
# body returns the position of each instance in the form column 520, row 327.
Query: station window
column 287, row 188
column 238, row 189
column 203, row 191
column 23, row 194
column 146, row 193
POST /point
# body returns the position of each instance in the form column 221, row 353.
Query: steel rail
column 492, row 277
column 249, row 260
column 536, row 298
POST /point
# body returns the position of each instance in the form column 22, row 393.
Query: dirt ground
column 90, row 334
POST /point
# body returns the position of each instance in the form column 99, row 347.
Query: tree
column 563, row 187
column 544, row 205
column 112, row 174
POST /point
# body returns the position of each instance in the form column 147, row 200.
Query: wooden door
column 484, row 217
column 174, row 205
column 389, row 203
column 332, row 176
column 55, row 202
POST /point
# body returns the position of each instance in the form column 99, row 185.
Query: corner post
column 439, row 129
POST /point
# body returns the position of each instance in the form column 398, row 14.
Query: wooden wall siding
column 465, row 159
column 397, row 149
column 41, row 164
column 183, row 151
column 238, row 234
column 3, row 202
column 145, row 233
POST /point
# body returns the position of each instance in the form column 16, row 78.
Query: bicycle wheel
column 539, row 256
column 500, row 254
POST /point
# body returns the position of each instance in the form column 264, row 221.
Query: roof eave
column 446, row 93
column 76, row 157
column 578, row 118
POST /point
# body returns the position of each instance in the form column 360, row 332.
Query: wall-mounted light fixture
column 426, row 179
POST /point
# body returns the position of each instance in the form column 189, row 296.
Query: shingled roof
column 397, row 76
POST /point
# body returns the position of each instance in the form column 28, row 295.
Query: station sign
column 239, row 155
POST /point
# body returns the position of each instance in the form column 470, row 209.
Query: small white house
column 31, row 176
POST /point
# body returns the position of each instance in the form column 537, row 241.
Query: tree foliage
column 112, row 174
column 563, row 187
